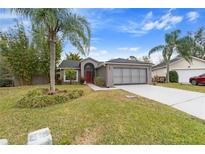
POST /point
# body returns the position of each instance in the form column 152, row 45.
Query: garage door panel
column 135, row 76
column 117, row 76
column 143, row 76
column 129, row 76
column 126, row 75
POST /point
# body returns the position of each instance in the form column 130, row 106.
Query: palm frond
column 155, row 49
column 78, row 25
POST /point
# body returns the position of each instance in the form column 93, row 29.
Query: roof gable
column 174, row 60
column 89, row 59
column 163, row 64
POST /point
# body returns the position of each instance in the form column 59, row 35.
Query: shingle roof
column 121, row 60
column 69, row 63
column 163, row 64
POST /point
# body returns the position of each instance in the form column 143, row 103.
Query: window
column 70, row 74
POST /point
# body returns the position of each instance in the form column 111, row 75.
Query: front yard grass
column 102, row 117
column 198, row 88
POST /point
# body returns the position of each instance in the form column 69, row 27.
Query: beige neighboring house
column 184, row 69
column 114, row 72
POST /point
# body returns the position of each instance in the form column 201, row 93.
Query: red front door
column 88, row 77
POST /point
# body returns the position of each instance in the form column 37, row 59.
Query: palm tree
column 173, row 44
column 60, row 23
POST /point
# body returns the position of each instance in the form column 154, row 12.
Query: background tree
column 60, row 22
column 5, row 71
column 197, row 43
column 73, row 56
column 173, row 44
column 146, row 59
column 18, row 53
column 132, row 58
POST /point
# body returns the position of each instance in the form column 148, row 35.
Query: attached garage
column 185, row 74
column 129, row 76
column 123, row 71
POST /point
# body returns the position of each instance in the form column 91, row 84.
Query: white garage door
column 185, row 74
column 129, row 76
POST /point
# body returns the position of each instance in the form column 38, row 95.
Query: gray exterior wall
column 102, row 72
column 109, row 68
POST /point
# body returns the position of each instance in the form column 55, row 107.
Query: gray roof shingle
column 121, row 60
column 70, row 64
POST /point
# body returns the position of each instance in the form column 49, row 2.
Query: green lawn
column 200, row 88
column 102, row 117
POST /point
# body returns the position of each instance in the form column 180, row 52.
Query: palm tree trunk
column 167, row 75
column 52, row 65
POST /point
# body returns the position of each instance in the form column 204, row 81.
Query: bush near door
column 99, row 81
column 173, row 76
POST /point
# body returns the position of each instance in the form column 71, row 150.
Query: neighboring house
column 113, row 72
column 184, row 69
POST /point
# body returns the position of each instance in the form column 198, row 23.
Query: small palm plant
column 60, row 23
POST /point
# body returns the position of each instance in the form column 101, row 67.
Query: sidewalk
column 96, row 88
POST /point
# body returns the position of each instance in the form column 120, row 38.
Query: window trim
column 64, row 78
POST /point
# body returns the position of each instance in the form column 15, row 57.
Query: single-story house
column 184, row 69
column 113, row 72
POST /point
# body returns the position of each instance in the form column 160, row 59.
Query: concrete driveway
column 187, row 101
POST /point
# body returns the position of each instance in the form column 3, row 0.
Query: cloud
column 164, row 22
column 192, row 16
column 128, row 49
column 132, row 28
column 97, row 53
column 98, row 18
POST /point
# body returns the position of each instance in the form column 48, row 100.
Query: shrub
column 75, row 94
column 173, row 76
column 41, row 101
column 39, row 98
column 82, row 80
column 65, row 141
column 6, row 83
column 99, row 81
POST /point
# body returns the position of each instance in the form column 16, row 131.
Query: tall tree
column 20, row 56
column 73, row 56
column 60, row 22
column 5, row 70
column 197, row 40
column 173, row 44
